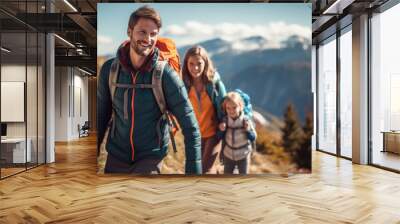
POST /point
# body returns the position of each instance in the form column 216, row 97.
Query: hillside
column 273, row 77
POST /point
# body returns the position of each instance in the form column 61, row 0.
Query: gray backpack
column 156, row 86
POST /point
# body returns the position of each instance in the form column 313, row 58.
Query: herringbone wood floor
column 69, row 191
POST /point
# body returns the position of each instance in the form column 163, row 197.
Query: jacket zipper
column 133, row 114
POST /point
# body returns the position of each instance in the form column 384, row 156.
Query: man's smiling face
column 143, row 36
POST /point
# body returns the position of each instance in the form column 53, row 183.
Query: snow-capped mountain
column 254, row 43
column 273, row 76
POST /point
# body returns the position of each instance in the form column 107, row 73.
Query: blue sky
column 190, row 23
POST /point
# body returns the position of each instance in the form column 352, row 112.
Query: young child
column 238, row 132
column 206, row 92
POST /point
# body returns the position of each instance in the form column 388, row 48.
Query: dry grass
column 268, row 158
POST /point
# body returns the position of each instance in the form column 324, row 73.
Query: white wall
column 81, row 82
column 71, row 93
column 61, row 103
column 34, row 124
column 12, row 73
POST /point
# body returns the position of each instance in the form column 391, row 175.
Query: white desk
column 16, row 147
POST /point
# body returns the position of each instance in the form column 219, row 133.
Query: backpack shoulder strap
column 245, row 119
column 212, row 87
column 216, row 78
column 160, row 98
column 158, row 89
column 113, row 77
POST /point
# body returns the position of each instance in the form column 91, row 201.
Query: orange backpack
column 169, row 53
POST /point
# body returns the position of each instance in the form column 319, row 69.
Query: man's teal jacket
column 135, row 136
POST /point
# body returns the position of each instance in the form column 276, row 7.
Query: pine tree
column 303, row 158
column 292, row 137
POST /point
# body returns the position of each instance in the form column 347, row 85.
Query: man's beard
column 139, row 49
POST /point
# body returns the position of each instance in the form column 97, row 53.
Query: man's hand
column 222, row 126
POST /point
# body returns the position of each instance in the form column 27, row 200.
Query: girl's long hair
column 209, row 71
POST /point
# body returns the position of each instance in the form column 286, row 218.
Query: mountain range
column 273, row 76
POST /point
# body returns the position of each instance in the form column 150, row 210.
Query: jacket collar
column 240, row 118
column 124, row 58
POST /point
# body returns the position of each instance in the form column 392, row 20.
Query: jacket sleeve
column 220, row 98
column 104, row 104
column 179, row 104
column 221, row 134
column 251, row 132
